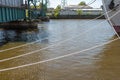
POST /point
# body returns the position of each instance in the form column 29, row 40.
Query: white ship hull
column 110, row 7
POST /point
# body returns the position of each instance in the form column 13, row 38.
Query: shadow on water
column 108, row 64
column 7, row 36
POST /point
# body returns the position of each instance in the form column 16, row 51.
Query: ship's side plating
column 113, row 5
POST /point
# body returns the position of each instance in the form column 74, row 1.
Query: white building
column 68, row 12
column 77, row 7
column 92, row 11
column 85, row 10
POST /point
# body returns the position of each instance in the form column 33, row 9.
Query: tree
column 83, row 3
column 57, row 10
column 37, row 6
column 79, row 12
column 58, row 7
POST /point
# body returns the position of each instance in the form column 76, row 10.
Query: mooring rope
column 56, row 43
column 60, row 57
column 64, row 56
column 92, row 1
column 110, row 22
column 47, row 38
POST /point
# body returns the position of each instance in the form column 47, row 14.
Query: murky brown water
column 102, row 63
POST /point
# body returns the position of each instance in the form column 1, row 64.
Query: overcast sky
column 54, row 3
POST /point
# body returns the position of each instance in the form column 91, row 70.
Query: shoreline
column 77, row 17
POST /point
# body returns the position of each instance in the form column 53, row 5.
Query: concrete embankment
column 77, row 17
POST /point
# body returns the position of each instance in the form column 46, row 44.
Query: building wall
column 84, row 12
column 77, row 7
column 92, row 12
column 68, row 12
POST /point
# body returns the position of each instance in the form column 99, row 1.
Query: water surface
column 98, row 64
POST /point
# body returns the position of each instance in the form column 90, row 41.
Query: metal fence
column 8, row 14
column 11, row 3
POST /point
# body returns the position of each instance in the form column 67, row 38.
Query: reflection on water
column 7, row 36
column 98, row 64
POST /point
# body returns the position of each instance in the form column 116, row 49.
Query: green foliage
column 88, row 13
column 26, row 13
column 37, row 6
column 83, row 3
column 56, row 14
column 57, row 11
column 58, row 7
column 79, row 12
